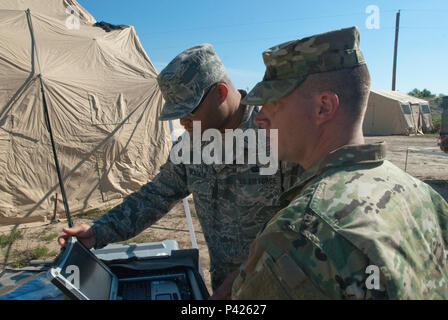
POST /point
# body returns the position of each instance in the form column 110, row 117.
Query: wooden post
column 394, row 71
column 55, row 208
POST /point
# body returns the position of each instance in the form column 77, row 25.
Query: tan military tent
column 102, row 99
column 425, row 112
column 394, row 112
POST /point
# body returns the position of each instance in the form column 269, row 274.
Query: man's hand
column 82, row 231
column 224, row 292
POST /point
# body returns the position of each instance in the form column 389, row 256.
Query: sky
column 240, row 30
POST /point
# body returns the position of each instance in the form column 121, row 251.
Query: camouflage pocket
column 294, row 280
column 263, row 284
column 278, row 279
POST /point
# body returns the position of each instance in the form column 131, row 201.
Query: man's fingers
column 62, row 239
column 80, row 231
column 74, row 230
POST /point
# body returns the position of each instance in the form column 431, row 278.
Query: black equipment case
column 151, row 271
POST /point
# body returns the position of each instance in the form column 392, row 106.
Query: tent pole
column 406, row 164
column 47, row 120
column 56, row 161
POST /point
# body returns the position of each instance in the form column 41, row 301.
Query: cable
column 260, row 23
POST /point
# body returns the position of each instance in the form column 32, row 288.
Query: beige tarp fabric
column 394, row 112
column 56, row 9
column 103, row 103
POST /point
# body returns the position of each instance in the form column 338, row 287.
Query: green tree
column 415, row 93
column 425, row 93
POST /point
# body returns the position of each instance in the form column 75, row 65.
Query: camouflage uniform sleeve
column 298, row 256
column 143, row 207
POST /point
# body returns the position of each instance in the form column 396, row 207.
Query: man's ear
column 327, row 106
column 222, row 92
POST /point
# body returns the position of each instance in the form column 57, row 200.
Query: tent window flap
column 425, row 109
column 406, row 108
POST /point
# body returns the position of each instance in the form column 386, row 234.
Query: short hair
column 226, row 79
column 352, row 87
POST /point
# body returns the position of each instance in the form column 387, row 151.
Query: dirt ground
column 40, row 242
column 430, row 168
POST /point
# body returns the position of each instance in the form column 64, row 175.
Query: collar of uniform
column 355, row 154
column 343, row 157
column 249, row 114
column 248, row 119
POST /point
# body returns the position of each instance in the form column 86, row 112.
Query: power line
column 276, row 37
column 257, row 23
column 426, row 10
column 289, row 21
column 262, row 23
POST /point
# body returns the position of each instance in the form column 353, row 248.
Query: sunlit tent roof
column 394, row 112
column 103, row 102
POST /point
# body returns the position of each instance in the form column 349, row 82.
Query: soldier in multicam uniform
column 354, row 226
column 232, row 201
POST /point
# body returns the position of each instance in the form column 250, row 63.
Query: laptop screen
column 87, row 273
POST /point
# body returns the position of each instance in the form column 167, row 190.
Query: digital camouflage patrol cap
column 185, row 79
column 288, row 64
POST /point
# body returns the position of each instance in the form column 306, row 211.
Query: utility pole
column 394, row 71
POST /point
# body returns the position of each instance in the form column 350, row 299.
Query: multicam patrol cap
column 288, row 64
column 185, row 79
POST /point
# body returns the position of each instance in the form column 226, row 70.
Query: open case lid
column 81, row 275
column 114, row 252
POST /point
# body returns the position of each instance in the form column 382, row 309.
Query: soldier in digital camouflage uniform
column 354, row 226
column 232, row 201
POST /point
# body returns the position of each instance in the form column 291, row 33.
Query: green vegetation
column 49, row 236
column 40, row 252
column 43, row 252
column 23, row 258
column 435, row 101
column 428, row 134
column 437, row 122
column 435, row 104
column 7, row 240
column 423, row 94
